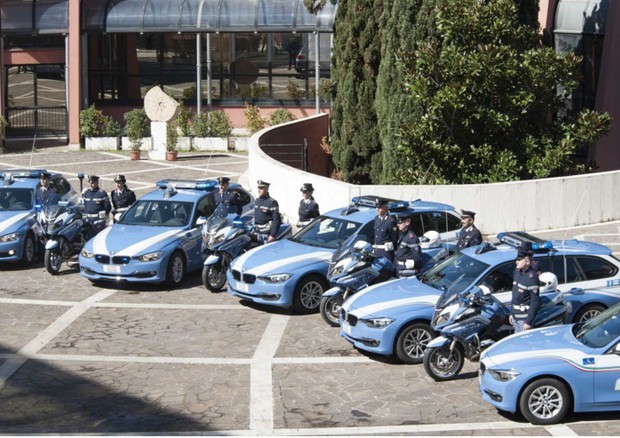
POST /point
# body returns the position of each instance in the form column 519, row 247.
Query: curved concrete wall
column 522, row 205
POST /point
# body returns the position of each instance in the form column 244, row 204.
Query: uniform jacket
column 47, row 197
column 96, row 201
column 468, row 237
column 525, row 288
column 408, row 248
column 266, row 211
column 308, row 209
column 230, row 199
column 123, row 199
column 385, row 231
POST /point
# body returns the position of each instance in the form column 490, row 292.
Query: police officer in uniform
column 308, row 208
column 227, row 197
column 95, row 199
column 408, row 256
column 266, row 214
column 469, row 234
column 46, row 194
column 386, row 232
column 122, row 197
column 525, row 290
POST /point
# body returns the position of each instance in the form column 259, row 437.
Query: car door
column 607, row 377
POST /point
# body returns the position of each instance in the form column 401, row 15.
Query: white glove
column 409, row 264
column 389, row 246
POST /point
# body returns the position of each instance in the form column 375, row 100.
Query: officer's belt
column 92, row 215
column 382, row 246
column 521, row 307
column 263, row 228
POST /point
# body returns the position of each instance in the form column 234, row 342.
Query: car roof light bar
column 371, row 201
column 22, row 173
column 516, row 238
column 186, row 184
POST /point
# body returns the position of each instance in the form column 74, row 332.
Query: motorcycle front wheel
column 330, row 309
column 214, row 276
column 53, row 261
column 442, row 364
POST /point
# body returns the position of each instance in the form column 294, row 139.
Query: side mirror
column 201, row 220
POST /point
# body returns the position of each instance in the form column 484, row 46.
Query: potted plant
column 100, row 132
column 211, row 131
column 136, row 129
column 171, row 141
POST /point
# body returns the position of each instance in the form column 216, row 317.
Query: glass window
column 455, row 273
column 16, row 199
column 158, row 214
column 500, row 279
column 441, row 222
column 595, row 268
column 61, row 185
column 416, row 224
column 244, row 197
column 326, row 232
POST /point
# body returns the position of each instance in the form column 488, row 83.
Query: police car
column 394, row 318
column 18, row 227
column 158, row 239
column 292, row 272
column 547, row 372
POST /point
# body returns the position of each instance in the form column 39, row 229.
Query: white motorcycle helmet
column 363, row 247
column 548, row 282
column 431, row 239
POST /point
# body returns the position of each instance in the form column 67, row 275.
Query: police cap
column 262, row 183
column 381, row 202
column 93, row 178
column 45, row 175
column 468, row 213
column 525, row 250
column 120, row 178
column 223, row 180
column 307, row 187
column 402, row 217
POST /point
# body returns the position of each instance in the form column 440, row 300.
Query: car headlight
column 9, row 237
column 151, row 257
column 377, row 323
column 504, row 375
column 275, row 278
column 87, row 254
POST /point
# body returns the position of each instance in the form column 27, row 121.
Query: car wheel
column 544, row 401
column 412, row 341
column 176, row 270
column 588, row 312
column 308, row 292
column 29, row 249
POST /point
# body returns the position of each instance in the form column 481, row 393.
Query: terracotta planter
column 171, row 155
column 134, row 155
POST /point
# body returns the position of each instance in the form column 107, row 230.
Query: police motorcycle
column 225, row 236
column 473, row 320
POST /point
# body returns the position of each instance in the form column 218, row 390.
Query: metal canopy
column 581, row 16
column 19, row 17
column 130, row 16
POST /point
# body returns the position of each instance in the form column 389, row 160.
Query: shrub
column 137, row 126
column 190, row 92
column 171, row 136
column 200, row 125
column 3, row 124
column 254, row 120
column 294, row 91
column 183, row 120
column 94, row 124
column 254, row 91
column 213, row 124
column 281, row 115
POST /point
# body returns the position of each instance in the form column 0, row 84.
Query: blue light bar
column 398, row 205
column 371, row 201
column 186, row 184
column 23, row 173
column 545, row 245
column 516, row 239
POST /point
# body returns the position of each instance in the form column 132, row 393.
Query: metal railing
column 28, row 121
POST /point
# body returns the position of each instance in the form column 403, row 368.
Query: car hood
column 544, row 343
column 391, row 297
column 280, row 257
column 132, row 240
column 11, row 220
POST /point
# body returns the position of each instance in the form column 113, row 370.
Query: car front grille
column 246, row 278
column 116, row 260
column 102, row 258
column 351, row 319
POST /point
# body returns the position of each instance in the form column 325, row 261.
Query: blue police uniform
column 468, row 237
column 96, row 201
column 407, row 248
column 229, row 199
column 308, row 209
column 123, row 198
column 266, row 215
column 525, row 297
column 46, row 196
column 385, row 232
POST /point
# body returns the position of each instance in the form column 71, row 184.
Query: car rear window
column 595, row 268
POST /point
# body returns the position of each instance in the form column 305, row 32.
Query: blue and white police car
column 158, row 239
column 292, row 272
column 19, row 232
column 394, row 318
column 547, row 372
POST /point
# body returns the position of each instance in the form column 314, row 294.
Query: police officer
column 308, row 208
column 408, row 255
column 266, row 214
column 95, row 199
column 525, row 290
column 227, row 197
column 122, row 197
column 46, row 194
column 385, row 231
column 469, row 234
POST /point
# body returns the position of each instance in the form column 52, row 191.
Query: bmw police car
column 18, row 226
column 158, row 239
column 547, row 372
column 292, row 272
column 394, row 318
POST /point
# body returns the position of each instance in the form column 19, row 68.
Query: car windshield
column 601, row 330
column 455, row 273
column 15, row 199
column 326, row 232
column 158, row 214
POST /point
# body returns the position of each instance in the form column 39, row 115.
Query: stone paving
column 120, row 359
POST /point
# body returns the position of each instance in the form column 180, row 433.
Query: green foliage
column 485, row 105
column 137, row 126
column 200, row 125
column 183, row 120
column 357, row 55
column 172, row 136
column 254, row 91
column 255, row 122
column 3, row 124
column 94, row 124
column 190, row 92
column 212, row 124
column 294, row 91
column 281, row 115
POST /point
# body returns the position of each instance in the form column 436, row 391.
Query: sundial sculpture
column 160, row 109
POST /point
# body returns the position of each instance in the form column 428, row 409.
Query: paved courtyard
column 76, row 358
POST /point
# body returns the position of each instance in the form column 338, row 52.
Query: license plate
column 242, row 287
column 111, row 269
column 346, row 327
